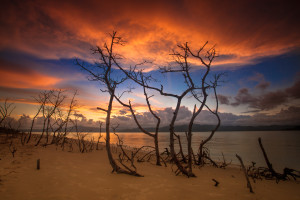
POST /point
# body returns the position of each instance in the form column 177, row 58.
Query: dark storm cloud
column 244, row 97
column 265, row 101
column 289, row 116
column 294, row 91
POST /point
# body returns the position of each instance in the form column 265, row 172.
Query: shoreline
column 74, row 175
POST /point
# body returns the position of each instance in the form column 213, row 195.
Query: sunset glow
column 257, row 43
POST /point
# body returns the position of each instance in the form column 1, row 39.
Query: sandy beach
column 74, row 175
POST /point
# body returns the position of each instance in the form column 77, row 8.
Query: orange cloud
column 243, row 31
column 15, row 79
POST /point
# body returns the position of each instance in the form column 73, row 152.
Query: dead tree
column 57, row 126
column 135, row 75
column 56, row 103
column 103, row 73
column 269, row 172
column 100, row 136
column 153, row 135
column 180, row 148
column 55, row 100
column 67, row 119
column 286, row 171
column 214, row 85
column 44, row 115
column 181, row 57
column 123, row 154
column 245, row 173
column 82, row 144
column 42, row 99
column 275, row 174
column 5, row 111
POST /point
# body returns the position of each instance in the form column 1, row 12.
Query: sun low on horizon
column 257, row 43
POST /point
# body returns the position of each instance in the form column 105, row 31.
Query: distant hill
column 204, row 128
column 197, row 128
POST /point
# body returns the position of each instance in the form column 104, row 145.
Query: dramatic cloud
column 40, row 39
column 294, row 91
column 244, row 97
column 184, row 116
column 266, row 101
column 14, row 76
column 289, row 116
column 243, row 30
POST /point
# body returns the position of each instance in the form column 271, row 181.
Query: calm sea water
column 282, row 147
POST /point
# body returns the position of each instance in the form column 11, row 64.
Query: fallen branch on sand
column 269, row 172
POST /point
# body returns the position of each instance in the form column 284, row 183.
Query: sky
column 258, row 46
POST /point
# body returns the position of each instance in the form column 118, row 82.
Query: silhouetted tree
column 202, row 155
column 183, row 67
column 199, row 91
column 5, row 111
column 153, row 135
column 42, row 99
column 67, row 118
column 102, row 72
column 55, row 100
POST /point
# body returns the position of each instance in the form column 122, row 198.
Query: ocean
column 282, row 147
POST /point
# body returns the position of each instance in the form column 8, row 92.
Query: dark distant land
column 198, row 128
column 204, row 128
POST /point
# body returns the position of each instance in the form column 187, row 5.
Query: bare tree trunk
column 203, row 142
column 32, row 123
column 107, row 57
column 157, row 150
column 172, row 147
column 42, row 99
column 245, row 172
column 180, row 148
column 5, row 111
column 100, row 135
column 267, row 159
column 155, row 135
column 112, row 162
column 41, row 136
column 71, row 108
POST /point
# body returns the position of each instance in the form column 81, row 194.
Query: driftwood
column 132, row 170
column 38, row 164
column 269, row 172
column 224, row 164
column 183, row 159
column 267, row 159
column 245, row 172
column 216, row 182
